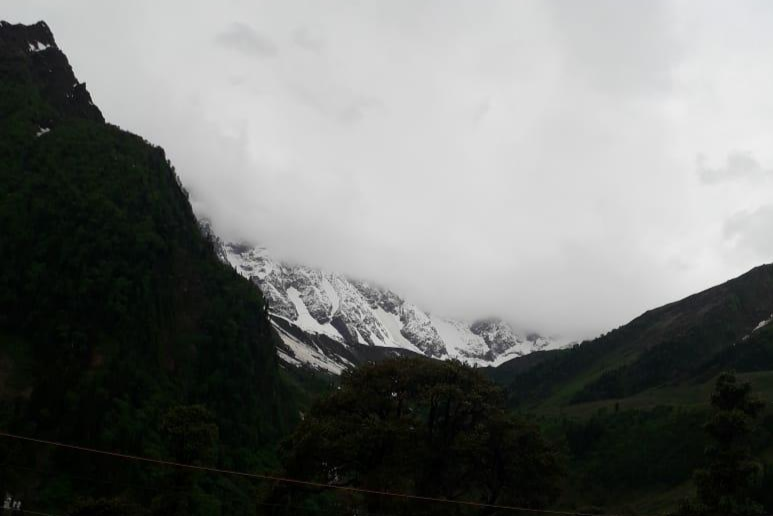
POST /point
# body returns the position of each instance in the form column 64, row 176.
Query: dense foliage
column 727, row 486
column 613, row 455
column 114, row 308
column 636, row 397
column 417, row 426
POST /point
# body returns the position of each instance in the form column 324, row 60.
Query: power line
column 91, row 479
column 156, row 489
column 287, row 480
column 164, row 490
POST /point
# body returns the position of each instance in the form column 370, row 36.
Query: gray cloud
column 617, row 47
column 531, row 159
column 481, row 110
column 246, row 40
column 750, row 232
column 306, row 39
column 354, row 111
column 737, row 166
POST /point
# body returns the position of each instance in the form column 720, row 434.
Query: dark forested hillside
column 630, row 405
column 114, row 310
column 683, row 342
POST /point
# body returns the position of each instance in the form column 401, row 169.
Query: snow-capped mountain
column 330, row 322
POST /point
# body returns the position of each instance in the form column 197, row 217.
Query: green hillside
column 629, row 406
column 682, row 343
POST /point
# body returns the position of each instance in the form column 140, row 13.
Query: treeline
column 419, row 427
column 435, row 430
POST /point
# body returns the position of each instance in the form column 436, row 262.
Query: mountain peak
column 328, row 320
column 30, row 53
column 26, row 38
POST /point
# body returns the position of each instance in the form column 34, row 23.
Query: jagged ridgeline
column 114, row 308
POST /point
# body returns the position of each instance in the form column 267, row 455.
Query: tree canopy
column 421, row 427
column 726, row 486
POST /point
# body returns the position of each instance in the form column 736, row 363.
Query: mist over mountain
column 316, row 312
column 413, row 258
column 565, row 167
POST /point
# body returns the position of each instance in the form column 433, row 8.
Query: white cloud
column 737, row 166
column 750, row 232
column 532, row 159
column 245, row 39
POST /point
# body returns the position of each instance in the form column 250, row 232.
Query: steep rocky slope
column 325, row 318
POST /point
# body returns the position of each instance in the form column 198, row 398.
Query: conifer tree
column 725, row 486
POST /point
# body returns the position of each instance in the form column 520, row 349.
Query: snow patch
column 38, row 46
column 306, row 321
column 764, row 323
column 332, row 296
column 460, row 342
column 393, row 326
column 305, row 354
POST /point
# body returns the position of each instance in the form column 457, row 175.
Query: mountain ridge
column 327, row 307
column 678, row 342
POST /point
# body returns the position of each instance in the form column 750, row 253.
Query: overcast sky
column 564, row 164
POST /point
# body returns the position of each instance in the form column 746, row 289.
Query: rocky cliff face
column 313, row 308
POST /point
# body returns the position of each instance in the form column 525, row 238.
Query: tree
column 192, row 437
column 191, row 433
column 725, row 487
column 423, row 427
